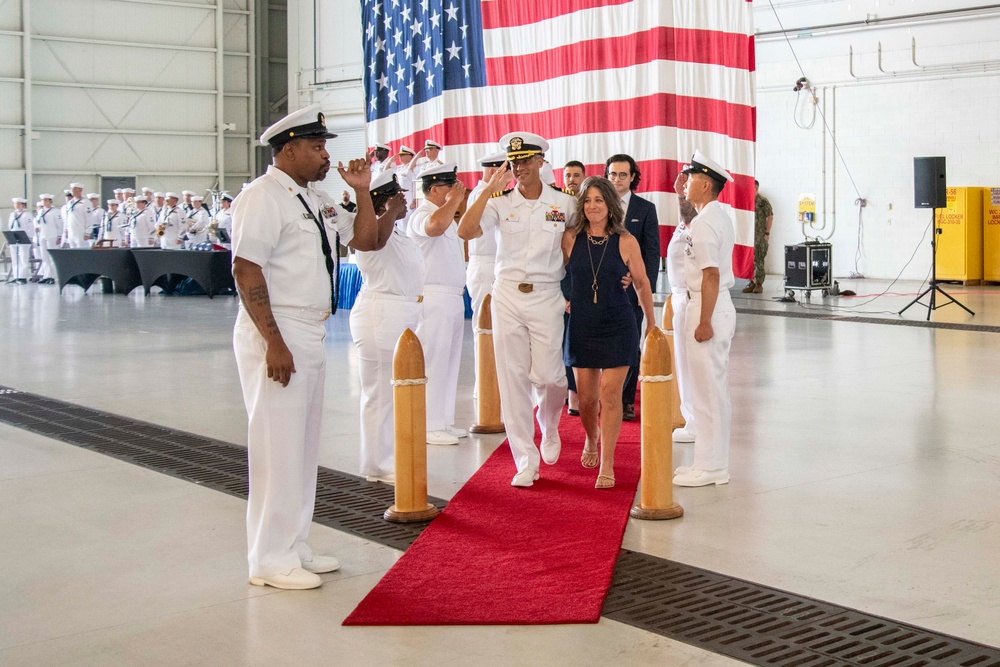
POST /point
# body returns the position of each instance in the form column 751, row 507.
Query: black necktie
column 332, row 267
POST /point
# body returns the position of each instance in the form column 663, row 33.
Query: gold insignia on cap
column 516, row 143
column 321, row 118
column 291, row 134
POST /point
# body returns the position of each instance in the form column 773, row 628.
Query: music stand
column 933, row 289
column 223, row 235
column 16, row 237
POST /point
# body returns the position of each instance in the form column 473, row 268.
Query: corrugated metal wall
column 126, row 88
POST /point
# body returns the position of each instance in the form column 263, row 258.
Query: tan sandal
column 590, row 459
column 603, row 482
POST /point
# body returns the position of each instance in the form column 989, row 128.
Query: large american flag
column 652, row 78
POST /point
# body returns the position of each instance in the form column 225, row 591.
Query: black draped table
column 83, row 266
column 212, row 269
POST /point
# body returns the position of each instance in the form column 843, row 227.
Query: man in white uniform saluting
column 528, row 304
column 285, row 236
column 710, row 321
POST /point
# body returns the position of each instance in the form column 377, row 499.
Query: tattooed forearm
column 687, row 210
column 256, row 300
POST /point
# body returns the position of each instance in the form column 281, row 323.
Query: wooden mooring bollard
column 677, row 418
column 487, row 390
column 656, row 496
column 409, row 397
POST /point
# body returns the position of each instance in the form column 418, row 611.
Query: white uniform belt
column 723, row 294
column 388, row 295
column 526, row 287
column 444, row 289
column 483, row 257
column 679, row 290
column 311, row 314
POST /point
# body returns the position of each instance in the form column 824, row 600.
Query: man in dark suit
column 642, row 223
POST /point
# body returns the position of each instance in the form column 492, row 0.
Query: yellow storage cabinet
column 960, row 243
column 991, row 234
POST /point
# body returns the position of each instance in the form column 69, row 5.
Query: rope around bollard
column 409, row 383
column 655, row 378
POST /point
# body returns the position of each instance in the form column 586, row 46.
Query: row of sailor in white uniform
column 147, row 220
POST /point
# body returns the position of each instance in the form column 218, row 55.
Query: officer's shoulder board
column 502, row 193
column 562, row 190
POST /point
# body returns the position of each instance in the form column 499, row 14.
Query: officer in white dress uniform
column 676, row 258
column 429, row 156
column 77, row 218
column 48, row 234
column 170, row 224
column 284, row 236
column 381, row 153
column 389, row 303
column 482, row 250
column 405, row 175
column 224, row 218
column 96, row 216
column 710, row 322
column 20, row 255
column 112, row 225
column 197, row 222
column 432, row 225
column 528, row 304
column 141, row 225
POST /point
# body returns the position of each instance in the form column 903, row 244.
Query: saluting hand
column 498, row 180
column 396, row 206
column 357, row 174
column 679, row 184
column 455, row 193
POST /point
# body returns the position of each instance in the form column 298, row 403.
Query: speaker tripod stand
column 933, row 288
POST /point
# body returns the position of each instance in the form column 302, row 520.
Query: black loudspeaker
column 929, row 188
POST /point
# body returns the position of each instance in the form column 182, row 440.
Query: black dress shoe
column 572, row 413
column 628, row 412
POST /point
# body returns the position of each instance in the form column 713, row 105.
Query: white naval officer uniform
column 111, row 226
column 48, row 231
column 528, row 326
column 389, row 303
column 171, row 219
column 77, row 222
column 20, row 255
column 442, row 324
column 96, row 218
column 141, row 227
column 271, row 229
column 224, row 221
column 709, row 243
column 197, row 222
column 676, row 259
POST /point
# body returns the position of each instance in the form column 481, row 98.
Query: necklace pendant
column 595, row 296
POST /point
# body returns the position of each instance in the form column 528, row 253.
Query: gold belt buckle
column 420, row 298
column 525, row 287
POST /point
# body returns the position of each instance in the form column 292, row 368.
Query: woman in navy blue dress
column 602, row 339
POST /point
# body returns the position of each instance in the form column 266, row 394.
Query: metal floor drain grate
column 743, row 620
column 767, row 626
column 343, row 501
column 923, row 324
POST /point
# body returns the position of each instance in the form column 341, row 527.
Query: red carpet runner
column 507, row 556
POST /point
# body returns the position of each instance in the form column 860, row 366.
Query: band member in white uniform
column 187, row 206
column 96, row 216
column 442, row 326
column 528, row 304
column 482, row 251
column 112, row 225
column 77, row 218
column 198, row 219
column 170, row 224
column 678, row 300
column 284, row 235
column 20, row 255
column 710, row 322
column 48, row 234
column 141, row 225
column 224, row 218
column 388, row 304
column 159, row 201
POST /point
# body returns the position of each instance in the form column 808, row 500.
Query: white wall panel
column 97, row 152
column 11, row 152
column 10, row 47
column 236, row 110
column 10, row 14
column 166, row 24
column 122, row 109
column 10, row 104
column 235, row 35
column 236, row 74
column 122, row 65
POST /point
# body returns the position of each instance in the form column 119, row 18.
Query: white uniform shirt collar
column 286, row 181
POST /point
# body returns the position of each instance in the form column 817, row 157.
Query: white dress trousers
column 527, row 336
column 282, row 460
column 440, row 331
column 377, row 322
column 20, row 255
column 708, row 367
column 682, row 372
column 50, row 230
